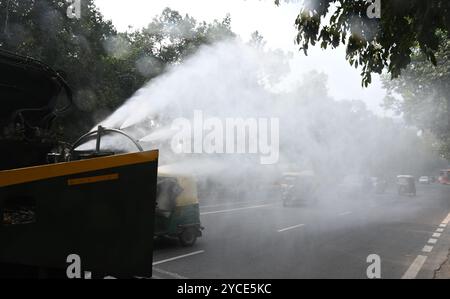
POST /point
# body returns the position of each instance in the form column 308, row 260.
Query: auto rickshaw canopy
column 186, row 189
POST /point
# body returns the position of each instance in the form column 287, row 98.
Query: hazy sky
column 274, row 23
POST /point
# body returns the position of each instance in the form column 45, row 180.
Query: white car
column 424, row 180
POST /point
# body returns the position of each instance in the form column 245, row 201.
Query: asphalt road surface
column 331, row 239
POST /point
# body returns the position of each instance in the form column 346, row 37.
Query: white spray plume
column 233, row 79
column 222, row 80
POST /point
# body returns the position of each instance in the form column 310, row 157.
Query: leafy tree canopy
column 424, row 92
column 104, row 67
column 375, row 44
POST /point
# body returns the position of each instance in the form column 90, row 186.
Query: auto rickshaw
column 299, row 187
column 177, row 208
column 406, row 185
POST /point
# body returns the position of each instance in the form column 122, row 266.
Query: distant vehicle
column 406, row 185
column 177, row 208
column 380, row 185
column 299, row 187
column 444, row 177
column 424, row 180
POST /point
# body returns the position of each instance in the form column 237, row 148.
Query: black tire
column 188, row 237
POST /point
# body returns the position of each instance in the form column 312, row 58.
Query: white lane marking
column 233, row 210
column 427, row 248
column 432, row 241
column 440, row 230
column 290, row 227
column 232, row 203
column 436, row 235
column 345, row 213
column 415, row 267
column 444, row 225
column 178, row 257
column 447, row 220
column 170, row 274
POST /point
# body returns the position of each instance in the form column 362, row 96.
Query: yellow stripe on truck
column 93, row 179
column 31, row 174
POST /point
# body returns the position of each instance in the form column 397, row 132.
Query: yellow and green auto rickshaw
column 406, row 185
column 177, row 209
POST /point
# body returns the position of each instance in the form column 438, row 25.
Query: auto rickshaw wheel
column 188, row 237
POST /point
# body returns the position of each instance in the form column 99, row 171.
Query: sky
column 276, row 25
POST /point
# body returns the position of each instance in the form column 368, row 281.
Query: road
column 332, row 239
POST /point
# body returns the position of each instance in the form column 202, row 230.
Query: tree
column 76, row 48
column 424, row 95
column 257, row 40
column 170, row 37
column 375, row 44
column 409, row 31
column 103, row 67
column 345, row 137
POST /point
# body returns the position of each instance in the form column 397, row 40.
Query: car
column 424, row 180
